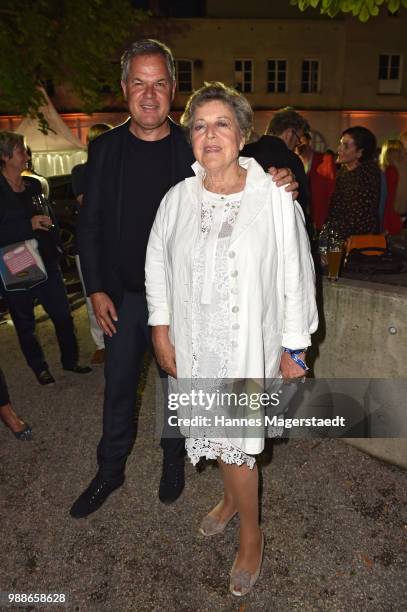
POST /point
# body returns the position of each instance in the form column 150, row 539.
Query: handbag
column 21, row 266
column 368, row 254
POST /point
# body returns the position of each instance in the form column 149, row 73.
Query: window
column 390, row 73
column 310, row 76
column 244, row 75
column 276, row 76
column 183, row 72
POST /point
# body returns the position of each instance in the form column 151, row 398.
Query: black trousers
column 124, row 354
column 52, row 296
column 4, row 396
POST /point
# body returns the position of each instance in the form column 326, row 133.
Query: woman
column 21, row 430
column 354, row 205
column 394, row 165
column 19, row 221
column 229, row 281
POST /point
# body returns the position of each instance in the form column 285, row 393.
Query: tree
column 364, row 9
column 69, row 41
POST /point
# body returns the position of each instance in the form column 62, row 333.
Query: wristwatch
column 294, row 354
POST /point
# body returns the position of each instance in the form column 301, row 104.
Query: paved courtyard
column 335, row 519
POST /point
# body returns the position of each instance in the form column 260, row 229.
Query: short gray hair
column 215, row 90
column 285, row 119
column 148, row 46
column 8, row 142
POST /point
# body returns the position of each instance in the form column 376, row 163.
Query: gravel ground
column 334, row 519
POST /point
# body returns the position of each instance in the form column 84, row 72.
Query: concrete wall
column 363, row 334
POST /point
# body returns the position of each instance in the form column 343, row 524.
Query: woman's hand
column 41, row 222
column 289, row 369
column 164, row 350
column 284, row 176
column 105, row 312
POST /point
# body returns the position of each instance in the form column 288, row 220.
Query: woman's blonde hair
column 392, row 155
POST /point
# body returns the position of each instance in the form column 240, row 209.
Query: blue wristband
column 294, row 356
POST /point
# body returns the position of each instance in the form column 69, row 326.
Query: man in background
column 276, row 148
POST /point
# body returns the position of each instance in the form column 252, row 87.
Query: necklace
column 15, row 185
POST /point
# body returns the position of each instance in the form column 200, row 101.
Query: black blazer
column 15, row 222
column 272, row 151
column 99, row 218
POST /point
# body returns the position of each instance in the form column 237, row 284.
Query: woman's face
column 216, row 137
column 348, row 153
column 18, row 161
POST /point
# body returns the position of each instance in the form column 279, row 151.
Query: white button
column 234, row 291
column 235, row 326
column 234, row 273
column 235, row 309
column 231, row 254
column 235, row 344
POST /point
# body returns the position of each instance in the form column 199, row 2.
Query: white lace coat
column 270, row 273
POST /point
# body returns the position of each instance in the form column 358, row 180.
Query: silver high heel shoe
column 241, row 581
column 211, row 526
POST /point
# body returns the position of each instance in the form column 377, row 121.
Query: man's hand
column 164, row 350
column 284, row 176
column 105, row 312
column 41, row 222
column 289, row 369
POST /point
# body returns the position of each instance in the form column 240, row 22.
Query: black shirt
column 146, row 179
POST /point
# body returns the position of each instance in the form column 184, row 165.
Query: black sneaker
column 45, row 377
column 172, row 482
column 78, row 369
column 95, row 495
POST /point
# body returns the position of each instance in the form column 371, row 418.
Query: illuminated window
column 310, row 76
column 244, row 75
column 390, row 73
column 183, row 71
column 277, row 76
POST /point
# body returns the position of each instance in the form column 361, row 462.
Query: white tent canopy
column 56, row 152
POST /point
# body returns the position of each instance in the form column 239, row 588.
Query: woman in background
column 354, row 205
column 394, row 165
column 21, row 430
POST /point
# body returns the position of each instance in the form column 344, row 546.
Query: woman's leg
column 242, row 484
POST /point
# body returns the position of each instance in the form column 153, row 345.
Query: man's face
column 149, row 93
column 293, row 138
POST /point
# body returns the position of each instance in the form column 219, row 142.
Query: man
column 283, row 134
column 78, row 177
column 321, row 173
column 130, row 168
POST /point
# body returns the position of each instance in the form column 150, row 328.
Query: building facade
column 337, row 72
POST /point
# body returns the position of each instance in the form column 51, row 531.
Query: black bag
column 387, row 262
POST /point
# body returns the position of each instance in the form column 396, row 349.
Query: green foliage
column 363, row 9
column 70, row 41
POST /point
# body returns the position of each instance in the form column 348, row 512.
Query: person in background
column 78, row 188
column 354, row 205
column 30, row 171
column 20, row 221
column 321, row 172
column 276, row 148
column 17, row 426
column 394, row 165
column 403, row 140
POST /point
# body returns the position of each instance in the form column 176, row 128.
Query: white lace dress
column 211, row 344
